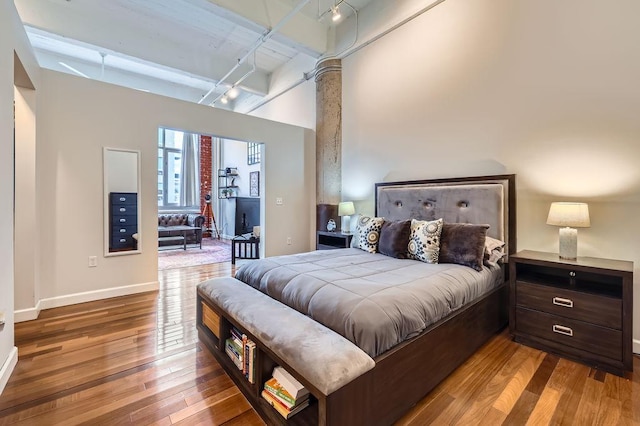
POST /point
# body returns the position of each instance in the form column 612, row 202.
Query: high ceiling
column 195, row 50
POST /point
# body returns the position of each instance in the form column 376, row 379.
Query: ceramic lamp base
column 346, row 225
column 568, row 243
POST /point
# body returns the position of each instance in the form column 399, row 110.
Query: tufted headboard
column 482, row 199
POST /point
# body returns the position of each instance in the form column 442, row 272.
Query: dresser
column 326, row 240
column 580, row 309
column 123, row 220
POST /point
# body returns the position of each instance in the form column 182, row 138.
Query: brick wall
column 205, row 173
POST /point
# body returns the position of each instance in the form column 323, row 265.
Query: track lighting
column 233, row 93
column 224, row 99
column 335, row 11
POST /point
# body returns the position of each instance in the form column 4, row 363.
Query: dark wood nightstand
column 326, row 240
column 580, row 309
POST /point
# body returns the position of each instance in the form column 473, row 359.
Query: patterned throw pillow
column 424, row 242
column 368, row 231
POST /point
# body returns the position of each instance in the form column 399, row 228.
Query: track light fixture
column 224, row 99
column 233, row 93
column 335, row 12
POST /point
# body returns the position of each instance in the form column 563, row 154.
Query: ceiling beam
column 77, row 21
column 302, row 32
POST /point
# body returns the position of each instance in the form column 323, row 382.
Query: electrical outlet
column 93, row 261
column 289, row 240
column 279, row 201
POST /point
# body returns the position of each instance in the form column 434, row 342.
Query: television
column 247, row 214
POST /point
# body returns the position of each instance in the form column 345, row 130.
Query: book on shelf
column 290, row 383
column 280, row 407
column 242, row 352
column 250, row 358
column 233, row 352
column 237, row 337
column 276, row 389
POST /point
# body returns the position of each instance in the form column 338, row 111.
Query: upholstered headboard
column 480, row 200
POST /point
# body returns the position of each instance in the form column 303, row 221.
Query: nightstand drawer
column 592, row 308
column 592, row 338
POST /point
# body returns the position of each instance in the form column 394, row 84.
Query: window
column 253, row 153
column 178, row 175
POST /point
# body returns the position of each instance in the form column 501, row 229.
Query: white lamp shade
column 575, row 215
column 346, row 208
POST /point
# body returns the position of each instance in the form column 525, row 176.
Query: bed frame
column 405, row 374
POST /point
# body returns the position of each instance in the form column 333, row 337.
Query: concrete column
column 328, row 140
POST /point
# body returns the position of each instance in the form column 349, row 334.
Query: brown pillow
column 463, row 243
column 394, row 238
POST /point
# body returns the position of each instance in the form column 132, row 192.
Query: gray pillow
column 463, row 244
column 394, row 238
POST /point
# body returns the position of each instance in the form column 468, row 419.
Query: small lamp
column 346, row 209
column 569, row 216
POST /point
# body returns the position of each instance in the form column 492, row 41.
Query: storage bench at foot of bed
column 336, row 372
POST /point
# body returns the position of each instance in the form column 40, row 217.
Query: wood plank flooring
column 137, row 360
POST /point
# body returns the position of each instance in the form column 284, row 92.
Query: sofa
column 167, row 221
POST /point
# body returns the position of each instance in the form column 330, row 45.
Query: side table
column 580, row 309
column 244, row 248
column 326, row 240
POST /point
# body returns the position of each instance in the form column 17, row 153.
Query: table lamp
column 569, row 216
column 345, row 210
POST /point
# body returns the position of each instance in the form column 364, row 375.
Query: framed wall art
column 254, row 184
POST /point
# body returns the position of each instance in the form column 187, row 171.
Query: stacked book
column 285, row 393
column 242, row 352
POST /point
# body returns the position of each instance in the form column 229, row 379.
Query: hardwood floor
column 137, row 360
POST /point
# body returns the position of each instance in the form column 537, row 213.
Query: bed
column 417, row 334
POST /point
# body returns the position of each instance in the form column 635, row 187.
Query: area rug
column 213, row 251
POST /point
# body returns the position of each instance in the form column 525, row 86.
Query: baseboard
column 90, row 296
column 636, row 346
column 7, row 368
column 87, row 296
column 27, row 314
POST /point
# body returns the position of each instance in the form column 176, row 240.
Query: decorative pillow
column 424, row 241
column 355, row 240
column 463, row 243
column 493, row 251
column 394, row 238
column 368, row 232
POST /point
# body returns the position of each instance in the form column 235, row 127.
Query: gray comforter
column 373, row 300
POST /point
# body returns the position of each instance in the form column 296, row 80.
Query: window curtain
column 190, row 176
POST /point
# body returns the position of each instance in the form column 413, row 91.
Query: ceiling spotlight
column 335, row 11
column 233, row 93
column 224, row 99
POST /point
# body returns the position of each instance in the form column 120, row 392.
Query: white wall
column 26, row 226
column 547, row 90
column 296, row 107
column 234, row 154
column 12, row 40
column 79, row 117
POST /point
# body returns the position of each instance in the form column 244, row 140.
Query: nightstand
column 580, row 309
column 326, row 240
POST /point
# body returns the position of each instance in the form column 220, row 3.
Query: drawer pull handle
column 567, row 303
column 123, row 199
column 561, row 329
column 123, row 240
column 123, row 209
column 123, row 220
